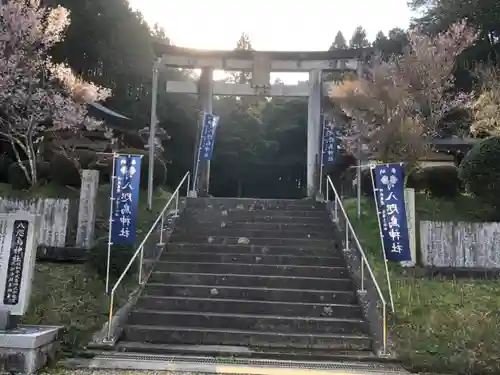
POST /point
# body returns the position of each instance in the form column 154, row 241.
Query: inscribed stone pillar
column 313, row 132
column 205, row 94
column 18, row 244
column 87, row 209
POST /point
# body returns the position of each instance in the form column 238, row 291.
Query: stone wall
column 460, row 245
column 53, row 212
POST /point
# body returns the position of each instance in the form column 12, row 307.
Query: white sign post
column 410, row 219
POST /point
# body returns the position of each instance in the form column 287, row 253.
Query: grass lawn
column 440, row 326
column 73, row 295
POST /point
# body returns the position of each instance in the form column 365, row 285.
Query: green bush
column 480, row 171
column 64, row 172
column 416, row 181
column 441, row 181
column 17, row 179
column 5, row 162
column 120, row 256
column 160, row 172
column 366, row 182
column 87, row 159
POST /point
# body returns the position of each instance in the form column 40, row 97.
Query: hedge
column 17, row 178
column 64, row 171
column 480, row 171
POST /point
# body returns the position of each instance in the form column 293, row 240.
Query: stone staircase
column 245, row 277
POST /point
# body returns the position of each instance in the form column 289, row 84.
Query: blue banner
column 208, row 136
column 125, row 199
column 389, row 185
column 330, row 143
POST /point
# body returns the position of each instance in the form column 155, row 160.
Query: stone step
column 250, row 292
column 226, row 336
column 204, row 214
column 253, row 269
column 276, row 282
column 231, row 258
column 254, row 204
column 188, row 231
column 250, row 322
column 224, row 305
column 184, row 248
column 305, row 243
column 193, row 218
column 245, row 203
column 291, row 226
column 249, row 352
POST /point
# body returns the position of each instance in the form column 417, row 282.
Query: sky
column 280, row 25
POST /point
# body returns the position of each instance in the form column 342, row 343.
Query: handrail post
column 188, row 184
column 384, row 328
column 141, row 258
column 110, row 314
column 177, row 203
column 363, row 275
column 346, row 236
column 162, row 225
column 336, row 210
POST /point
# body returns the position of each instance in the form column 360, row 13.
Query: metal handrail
column 140, row 249
column 349, row 229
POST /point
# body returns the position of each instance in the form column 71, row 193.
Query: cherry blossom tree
column 402, row 102
column 486, row 108
column 35, row 93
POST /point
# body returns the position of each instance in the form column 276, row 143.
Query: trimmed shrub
column 441, row 181
column 120, row 256
column 64, row 172
column 17, row 179
column 480, row 171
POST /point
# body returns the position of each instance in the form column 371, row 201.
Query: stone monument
column 87, row 209
column 23, row 349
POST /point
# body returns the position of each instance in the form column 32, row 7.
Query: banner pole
column 321, row 165
column 215, row 122
column 111, row 202
column 195, row 182
column 382, row 239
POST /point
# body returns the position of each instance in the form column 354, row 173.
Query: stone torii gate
column 261, row 64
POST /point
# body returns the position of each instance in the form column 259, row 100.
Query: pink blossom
column 34, row 92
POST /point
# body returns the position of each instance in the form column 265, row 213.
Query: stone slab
column 28, row 336
column 18, row 243
column 28, row 349
column 87, row 209
column 53, row 213
column 460, row 245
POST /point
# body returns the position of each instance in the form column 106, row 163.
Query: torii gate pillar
column 205, row 97
column 313, row 132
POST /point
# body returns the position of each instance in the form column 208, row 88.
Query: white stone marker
column 18, row 244
column 87, row 209
column 412, row 224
